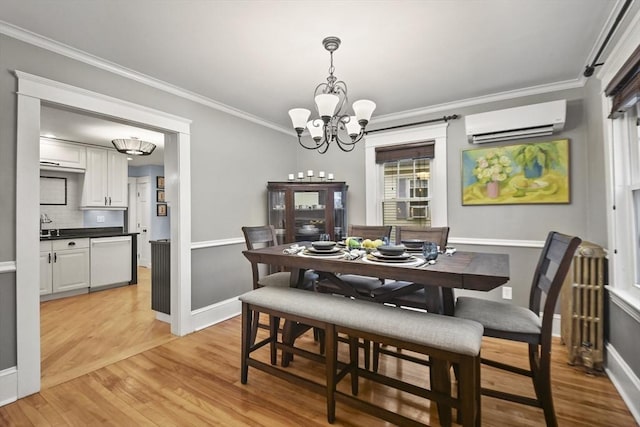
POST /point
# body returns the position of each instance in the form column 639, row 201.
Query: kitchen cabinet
column 64, row 265
column 105, row 179
column 59, row 155
column 301, row 211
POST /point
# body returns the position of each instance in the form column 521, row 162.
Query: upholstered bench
column 446, row 340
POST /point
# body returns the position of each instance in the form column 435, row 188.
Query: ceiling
column 265, row 57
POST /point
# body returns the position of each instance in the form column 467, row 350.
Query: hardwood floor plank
column 195, row 381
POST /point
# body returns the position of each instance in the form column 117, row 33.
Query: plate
column 315, row 251
column 408, row 260
column 403, row 256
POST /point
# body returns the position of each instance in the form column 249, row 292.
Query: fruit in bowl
column 353, row 242
column 370, row 245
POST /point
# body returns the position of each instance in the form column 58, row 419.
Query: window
column 405, row 199
column 418, row 188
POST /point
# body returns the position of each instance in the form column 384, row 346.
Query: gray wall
column 7, row 320
column 622, row 331
column 231, row 161
column 583, row 217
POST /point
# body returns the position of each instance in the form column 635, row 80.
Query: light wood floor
column 195, row 381
column 84, row 333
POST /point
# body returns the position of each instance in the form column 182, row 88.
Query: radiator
column 582, row 322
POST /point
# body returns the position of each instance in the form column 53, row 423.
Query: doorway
column 32, row 91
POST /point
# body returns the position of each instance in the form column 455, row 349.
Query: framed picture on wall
column 161, row 209
column 529, row 173
column 160, row 196
column 160, row 182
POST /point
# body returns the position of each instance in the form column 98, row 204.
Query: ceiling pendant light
column 134, row 146
column 334, row 124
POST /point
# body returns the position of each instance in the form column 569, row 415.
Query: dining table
column 478, row 271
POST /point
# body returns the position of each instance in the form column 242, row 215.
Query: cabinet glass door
column 309, row 214
column 277, row 214
column 339, row 216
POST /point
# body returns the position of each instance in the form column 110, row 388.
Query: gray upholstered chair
column 511, row 322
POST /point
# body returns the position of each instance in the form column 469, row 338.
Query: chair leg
column 367, row 354
column 254, row 327
column 541, row 376
column 274, row 325
column 376, row 356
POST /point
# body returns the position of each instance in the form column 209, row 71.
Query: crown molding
column 95, row 61
column 501, row 96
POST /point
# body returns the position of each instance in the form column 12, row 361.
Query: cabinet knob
column 72, row 243
column 105, row 200
column 55, row 257
column 109, row 200
column 49, row 258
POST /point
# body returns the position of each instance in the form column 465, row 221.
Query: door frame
column 32, row 91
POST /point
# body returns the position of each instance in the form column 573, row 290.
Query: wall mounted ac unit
column 528, row 121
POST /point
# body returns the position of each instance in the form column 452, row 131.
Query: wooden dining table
column 477, row 271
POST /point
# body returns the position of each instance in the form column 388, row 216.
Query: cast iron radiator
column 582, row 321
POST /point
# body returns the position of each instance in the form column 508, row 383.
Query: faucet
column 44, row 219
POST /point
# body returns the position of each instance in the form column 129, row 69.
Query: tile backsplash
column 70, row 215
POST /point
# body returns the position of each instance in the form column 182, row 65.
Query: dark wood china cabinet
column 302, row 211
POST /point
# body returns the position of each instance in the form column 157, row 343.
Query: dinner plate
column 411, row 259
column 403, row 256
column 331, row 251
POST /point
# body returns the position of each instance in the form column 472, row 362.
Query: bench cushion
column 441, row 332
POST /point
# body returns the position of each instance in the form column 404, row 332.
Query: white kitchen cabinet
column 46, row 276
column 65, row 266
column 105, row 179
column 58, row 155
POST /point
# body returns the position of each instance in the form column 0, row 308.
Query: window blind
column 414, row 150
column 625, row 86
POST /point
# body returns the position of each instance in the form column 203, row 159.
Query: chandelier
column 334, row 124
column 134, row 146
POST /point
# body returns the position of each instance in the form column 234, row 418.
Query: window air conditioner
column 528, row 121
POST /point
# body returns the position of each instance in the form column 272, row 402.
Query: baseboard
column 163, row 317
column 624, row 380
column 8, row 386
column 215, row 313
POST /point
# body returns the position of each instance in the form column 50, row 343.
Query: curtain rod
column 441, row 119
column 589, row 69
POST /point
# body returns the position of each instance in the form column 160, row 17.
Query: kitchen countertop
column 76, row 233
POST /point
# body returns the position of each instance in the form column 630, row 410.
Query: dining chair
column 362, row 284
column 417, row 299
column 514, row 323
column 262, row 236
column 429, row 299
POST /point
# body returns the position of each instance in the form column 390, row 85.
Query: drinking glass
column 325, row 237
column 430, row 251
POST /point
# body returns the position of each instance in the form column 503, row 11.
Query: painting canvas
column 536, row 172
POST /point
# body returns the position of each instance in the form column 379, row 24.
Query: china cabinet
column 302, row 211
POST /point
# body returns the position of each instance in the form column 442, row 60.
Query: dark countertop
column 76, row 233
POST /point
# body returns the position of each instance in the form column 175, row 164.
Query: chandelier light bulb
column 353, row 127
column 315, row 129
column 299, row 117
column 364, row 109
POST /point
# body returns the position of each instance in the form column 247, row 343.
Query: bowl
column 323, row 245
column 413, row 243
column 392, row 250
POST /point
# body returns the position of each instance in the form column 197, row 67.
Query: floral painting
column 535, row 172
